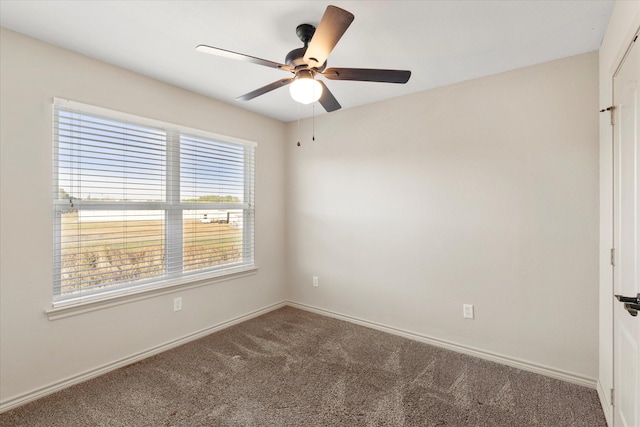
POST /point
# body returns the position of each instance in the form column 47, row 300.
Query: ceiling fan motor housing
column 294, row 58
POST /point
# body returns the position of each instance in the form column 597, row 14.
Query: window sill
column 63, row 309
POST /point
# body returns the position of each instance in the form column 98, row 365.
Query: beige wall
column 36, row 352
column 624, row 22
column 484, row 192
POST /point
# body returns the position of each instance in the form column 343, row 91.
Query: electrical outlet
column 315, row 281
column 177, row 304
column 467, row 311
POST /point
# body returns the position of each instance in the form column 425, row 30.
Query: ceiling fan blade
column 241, row 57
column 264, row 89
column 332, row 26
column 327, row 100
column 367, row 75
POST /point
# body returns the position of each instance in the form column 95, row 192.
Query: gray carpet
column 294, row 368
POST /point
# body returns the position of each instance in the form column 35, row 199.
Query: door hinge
column 611, row 110
column 613, row 116
column 613, row 257
column 612, row 396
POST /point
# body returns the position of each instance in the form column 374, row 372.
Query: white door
column 626, row 327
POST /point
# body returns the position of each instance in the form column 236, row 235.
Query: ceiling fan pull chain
column 313, row 136
column 298, row 125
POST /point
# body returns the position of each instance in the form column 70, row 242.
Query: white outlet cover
column 467, row 311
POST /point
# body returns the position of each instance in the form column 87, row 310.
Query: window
column 140, row 204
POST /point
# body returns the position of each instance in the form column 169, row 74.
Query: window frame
column 173, row 209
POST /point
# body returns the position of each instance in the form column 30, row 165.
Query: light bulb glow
column 305, row 90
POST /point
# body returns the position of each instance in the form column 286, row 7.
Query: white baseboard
column 607, row 407
column 482, row 354
column 93, row 373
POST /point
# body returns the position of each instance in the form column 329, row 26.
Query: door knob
column 632, row 300
column 631, row 304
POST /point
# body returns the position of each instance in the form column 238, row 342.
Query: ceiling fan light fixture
column 305, row 89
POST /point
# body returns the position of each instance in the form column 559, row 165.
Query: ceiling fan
column 311, row 60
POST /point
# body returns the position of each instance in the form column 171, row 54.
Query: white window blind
column 140, row 203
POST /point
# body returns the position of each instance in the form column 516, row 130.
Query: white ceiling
column 441, row 42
